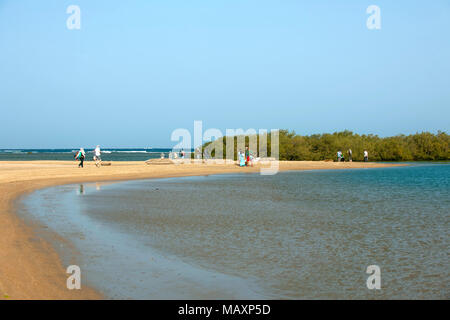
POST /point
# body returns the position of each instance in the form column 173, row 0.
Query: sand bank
column 30, row 267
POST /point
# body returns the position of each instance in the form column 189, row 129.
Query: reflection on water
column 81, row 188
column 293, row 235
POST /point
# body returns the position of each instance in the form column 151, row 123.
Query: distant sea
column 108, row 154
column 294, row 235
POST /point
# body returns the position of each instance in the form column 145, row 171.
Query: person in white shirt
column 97, row 156
column 366, row 156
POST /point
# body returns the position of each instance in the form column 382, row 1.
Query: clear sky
column 137, row 70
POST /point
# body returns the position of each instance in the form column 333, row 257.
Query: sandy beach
column 30, row 267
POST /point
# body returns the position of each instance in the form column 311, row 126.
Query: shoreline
column 30, row 268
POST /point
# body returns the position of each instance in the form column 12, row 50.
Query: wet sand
column 29, row 267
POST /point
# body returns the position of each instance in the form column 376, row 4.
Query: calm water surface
column 294, row 235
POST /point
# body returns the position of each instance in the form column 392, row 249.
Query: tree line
column 424, row 146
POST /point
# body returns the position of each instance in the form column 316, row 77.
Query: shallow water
column 308, row 234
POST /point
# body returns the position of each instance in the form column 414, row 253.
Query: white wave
column 132, row 151
column 13, row 151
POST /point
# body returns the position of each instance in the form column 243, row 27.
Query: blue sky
column 137, row 70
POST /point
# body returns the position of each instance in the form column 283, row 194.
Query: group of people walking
column 81, row 155
column 340, row 156
column 245, row 159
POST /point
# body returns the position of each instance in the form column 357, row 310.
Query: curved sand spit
column 29, row 266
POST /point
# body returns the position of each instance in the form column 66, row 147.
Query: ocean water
column 108, row 154
column 295, row 235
